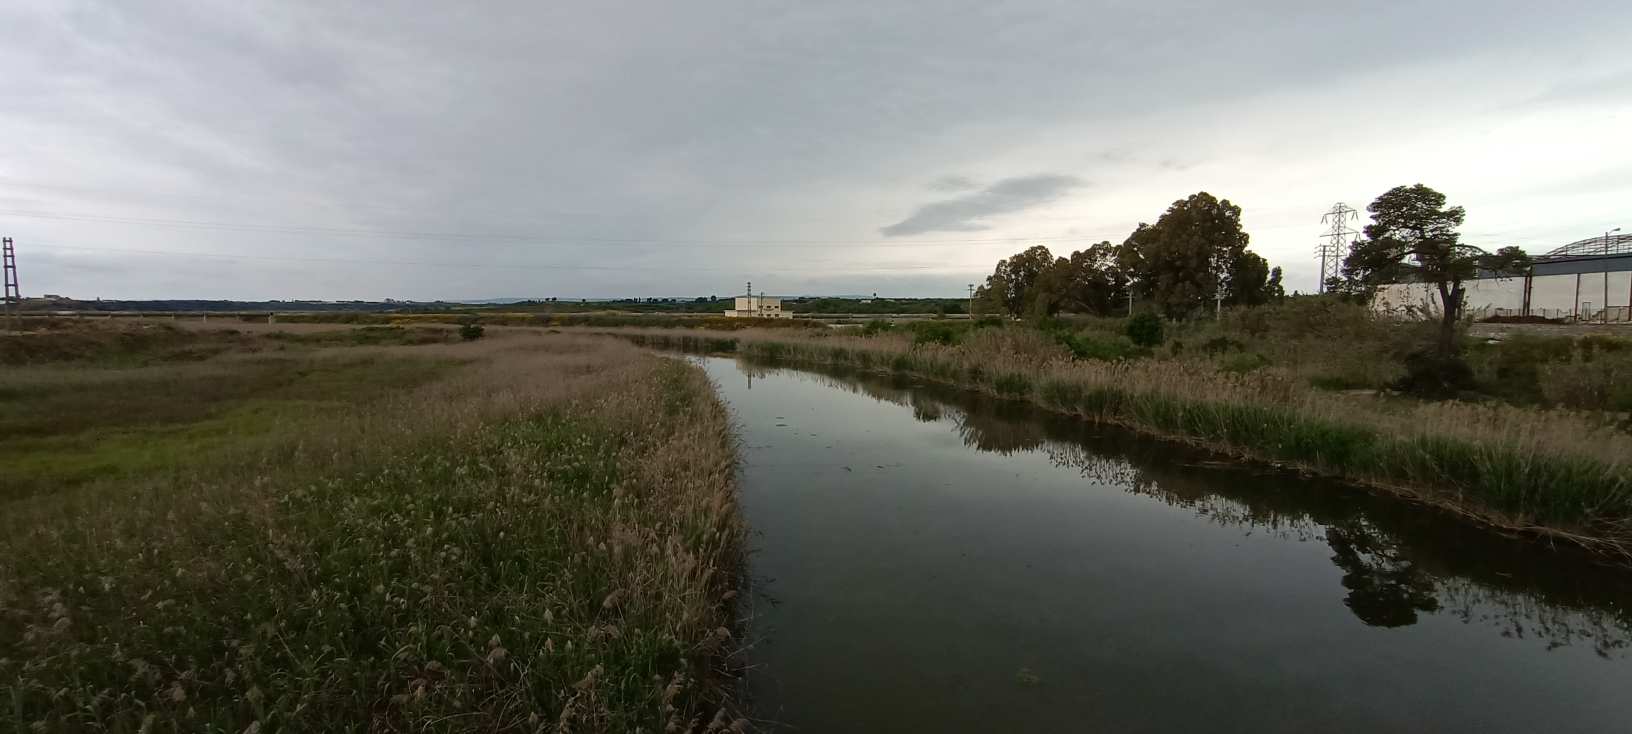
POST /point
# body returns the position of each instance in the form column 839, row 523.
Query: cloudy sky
column 464, row 150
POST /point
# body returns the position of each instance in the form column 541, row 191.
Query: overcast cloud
column 429, row 150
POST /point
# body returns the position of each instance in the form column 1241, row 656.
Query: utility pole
column 1330, row 249
column 971, row 301
column 1130, row 296
column 13, row 293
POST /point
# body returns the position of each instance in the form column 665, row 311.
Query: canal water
column 926, row 559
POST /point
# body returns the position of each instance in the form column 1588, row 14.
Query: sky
column 419, row 150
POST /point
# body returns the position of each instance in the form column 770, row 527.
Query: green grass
column 84, row 425
column 370, row 336
column 379, row 539
column 123, row 344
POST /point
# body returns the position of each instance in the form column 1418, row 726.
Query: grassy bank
column 522, row 533
column 1553, row 472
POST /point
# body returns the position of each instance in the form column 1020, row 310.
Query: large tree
column 1090, row 281
column 1194, row 253
column 1011, row 288
column 1412, row 238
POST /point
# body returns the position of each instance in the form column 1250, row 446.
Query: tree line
column 1193, row 259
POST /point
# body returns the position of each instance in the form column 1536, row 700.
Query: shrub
column 1429, row 375
column 471, row 332
column 1221, row 344
column 1598, row 384
column 1145, row 329
column 1241, row 364
column 1512, row 369
column 934, row 333
column 875, row 327
column 1083, row 346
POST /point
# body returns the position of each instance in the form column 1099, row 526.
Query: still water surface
column 931, row 560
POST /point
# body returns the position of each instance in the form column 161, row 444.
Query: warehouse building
column 1586, row 281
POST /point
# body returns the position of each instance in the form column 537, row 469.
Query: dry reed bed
column 544, row 539
column 1553, row 472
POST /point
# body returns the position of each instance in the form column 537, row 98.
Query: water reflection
column 1398, row 563
column 1386, row 589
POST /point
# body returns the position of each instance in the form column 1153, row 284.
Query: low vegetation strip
column 539, row 534
column 1556, row 472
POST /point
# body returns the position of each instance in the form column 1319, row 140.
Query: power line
column 507, row 237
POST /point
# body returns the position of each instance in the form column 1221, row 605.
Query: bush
column 1599, row 384
column 1083, row 346
column 1241, row 364
column 875, row 327
column 471, row 332
column 934, row 333
column 1220, row 345
column 1145, row 329
column 1301, row 318
column 1429, row 375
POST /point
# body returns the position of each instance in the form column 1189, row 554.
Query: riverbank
column 1549, row 473
column 515, row 533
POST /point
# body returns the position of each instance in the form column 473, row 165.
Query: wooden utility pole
column 971, row 301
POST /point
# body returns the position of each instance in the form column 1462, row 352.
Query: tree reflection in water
column 1386, row 589
column 1390, row 576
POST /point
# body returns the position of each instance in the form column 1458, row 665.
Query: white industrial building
column 758, row 307
column 1586, row 281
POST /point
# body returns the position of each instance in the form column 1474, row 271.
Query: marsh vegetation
column 514, row 533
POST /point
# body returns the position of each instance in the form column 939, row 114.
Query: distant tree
column 1195, row 251
column 1011, row 286
column 1247, row 280
column 1412, row 238
column 1089, row 281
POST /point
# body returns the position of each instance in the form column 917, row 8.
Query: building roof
column 1614, row 244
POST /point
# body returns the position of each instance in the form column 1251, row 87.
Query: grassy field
column 312, row 532
column 1556, row 472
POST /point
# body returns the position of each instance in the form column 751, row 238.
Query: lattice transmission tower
column 13, row 294
column 1332, row 244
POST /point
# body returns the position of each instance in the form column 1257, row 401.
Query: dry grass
column 537, row 534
